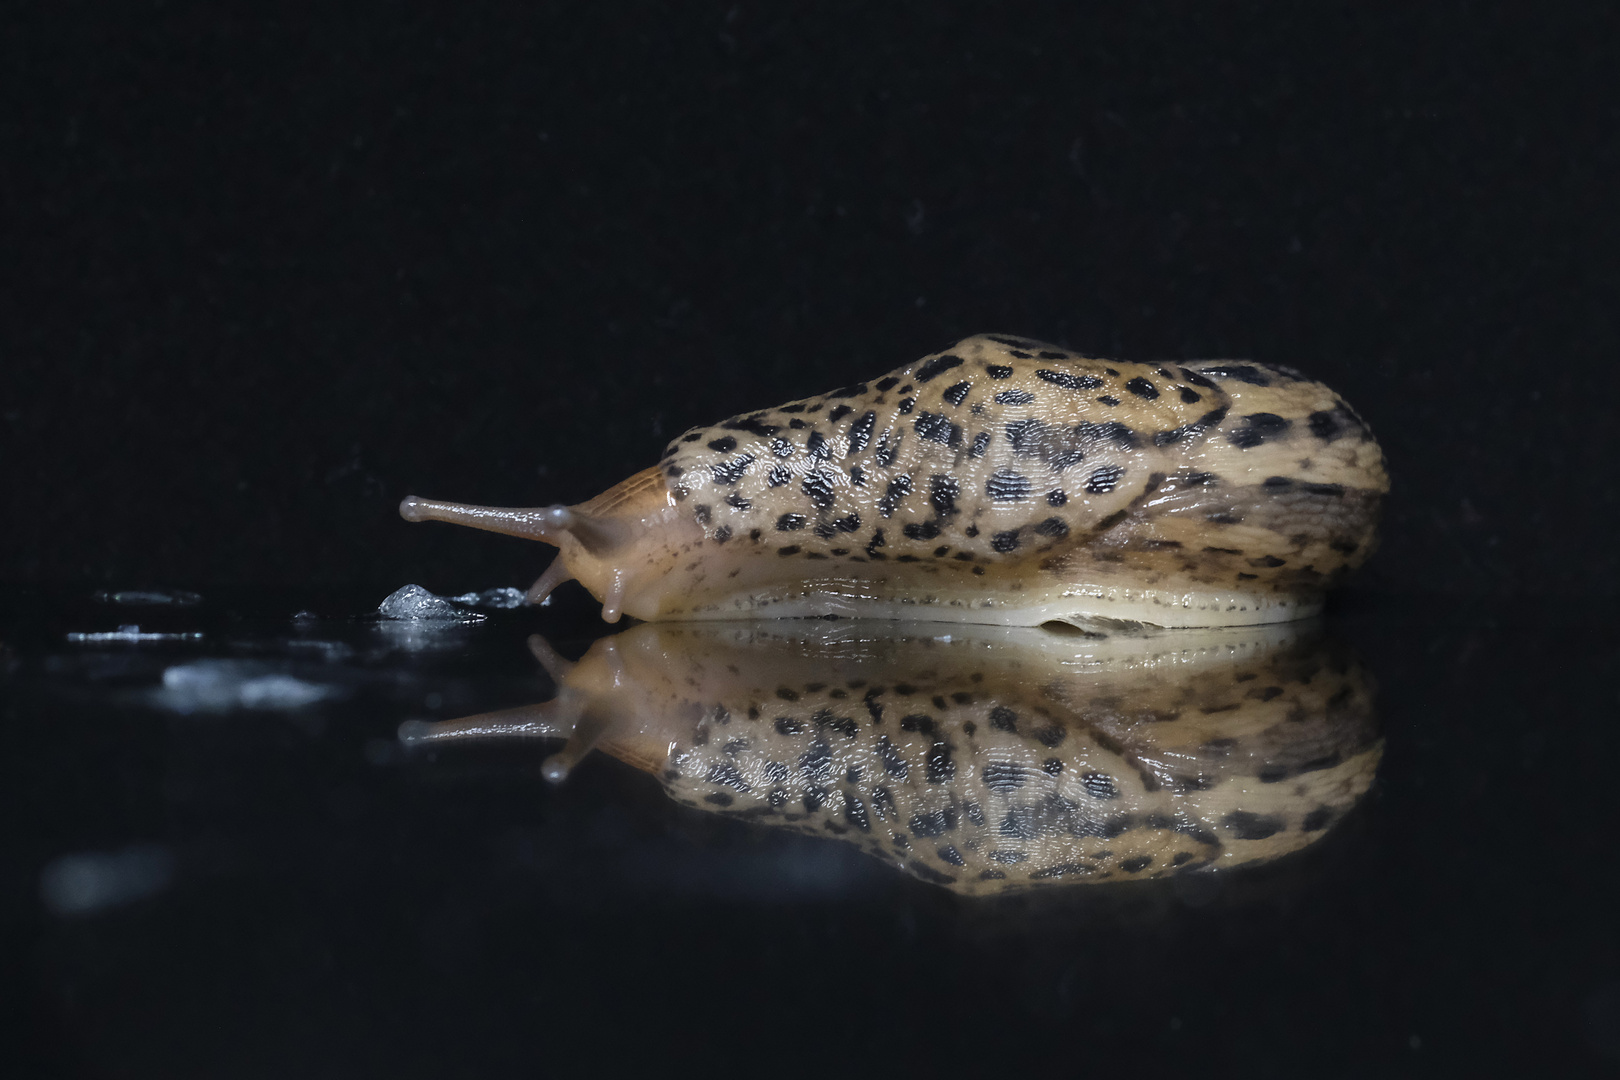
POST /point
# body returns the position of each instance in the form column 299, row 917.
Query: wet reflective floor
column 1385, row 843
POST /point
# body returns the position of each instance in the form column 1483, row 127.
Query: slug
column 1000, row 481
column 983, row 760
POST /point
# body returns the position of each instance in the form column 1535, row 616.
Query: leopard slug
column 1003, row 480
column 985, row 758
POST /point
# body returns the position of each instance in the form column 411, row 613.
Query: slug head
column 620, row 545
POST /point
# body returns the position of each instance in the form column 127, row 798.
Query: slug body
column 1001, row 481
column 983, row 759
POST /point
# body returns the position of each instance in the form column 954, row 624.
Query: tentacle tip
column 410, row 508
column 555, row 665
column 412, row 732
column 554, row 769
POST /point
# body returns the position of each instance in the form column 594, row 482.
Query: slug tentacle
column 620, row 545
column 551, row 661
column 593, row 725
column 553, row 719
column 547, row 523
column 1003, row 480
column 546, row 583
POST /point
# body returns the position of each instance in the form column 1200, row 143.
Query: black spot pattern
column 958, row 393
column 1003, row 777
column 820, row 487
column 1014, row 397
column 1104, row 479
column 1246, row 825
column 725, row 773
column 1099, row 785
column 1186, row 431
column 860, row 432
column 855, row 813
column 1258, row 428
column 1317, row 819
column 898, row 489
column 936, row 366
column 934, row 823
column 1007, row 485
column 1325, row 426
column 1112, row 432
column 890, row 759
column 939, row 429
column 889, row 448
column 1069, row 381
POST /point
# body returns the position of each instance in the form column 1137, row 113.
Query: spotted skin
column 996, row 759
column 1057, row 469
column 1008, row 480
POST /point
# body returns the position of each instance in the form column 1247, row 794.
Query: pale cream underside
column 1077, row 604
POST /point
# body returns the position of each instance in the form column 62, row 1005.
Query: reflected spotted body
column 974, row 782
column 986, row 759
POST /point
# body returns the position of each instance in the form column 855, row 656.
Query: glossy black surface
column 264, row 273
column 326, row 903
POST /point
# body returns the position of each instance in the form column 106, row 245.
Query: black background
column 264, row 274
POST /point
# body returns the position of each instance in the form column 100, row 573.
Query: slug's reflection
column 984, row 758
